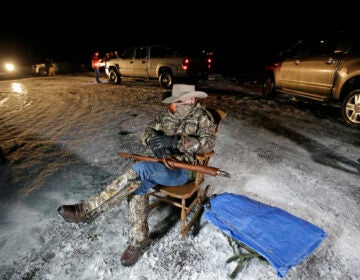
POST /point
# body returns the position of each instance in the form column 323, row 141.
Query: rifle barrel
column 171, row 164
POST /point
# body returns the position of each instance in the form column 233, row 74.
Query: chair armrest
column 203, row 157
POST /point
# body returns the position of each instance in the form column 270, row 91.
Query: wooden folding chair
column 189, row 195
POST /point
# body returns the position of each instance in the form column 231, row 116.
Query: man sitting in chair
column 180, row 131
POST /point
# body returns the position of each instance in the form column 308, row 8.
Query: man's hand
column 162, row 153
column 164, row 142
column 163, row 145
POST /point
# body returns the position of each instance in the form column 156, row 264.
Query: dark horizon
column 237, row 35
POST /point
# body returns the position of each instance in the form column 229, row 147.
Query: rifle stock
column 174, row 164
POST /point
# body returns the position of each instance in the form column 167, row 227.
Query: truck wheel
column 350, row 109
column 166, row 80
column 114, row 77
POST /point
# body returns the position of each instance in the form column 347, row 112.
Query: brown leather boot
column 74, row 213
column 133, row 253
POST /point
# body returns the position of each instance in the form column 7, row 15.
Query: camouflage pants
column 121, row 187
column 138, row 215
column 116, row 191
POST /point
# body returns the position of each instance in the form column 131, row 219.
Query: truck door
column 140, row 63
column 128, row 57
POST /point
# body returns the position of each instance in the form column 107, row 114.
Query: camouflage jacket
column 193, row 123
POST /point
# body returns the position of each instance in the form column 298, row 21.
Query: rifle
column 174, row 164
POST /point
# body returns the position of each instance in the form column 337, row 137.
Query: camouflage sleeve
column 197, row 134
column 204, row 140
column 152, row 128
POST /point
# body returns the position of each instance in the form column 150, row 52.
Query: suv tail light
column 272, row 66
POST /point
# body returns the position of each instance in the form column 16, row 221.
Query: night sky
column 76, row 30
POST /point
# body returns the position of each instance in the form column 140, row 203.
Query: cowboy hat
column 181, row 92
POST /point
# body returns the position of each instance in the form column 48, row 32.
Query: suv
column 324, row 68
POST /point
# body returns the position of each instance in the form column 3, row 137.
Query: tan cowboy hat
column 181, row 92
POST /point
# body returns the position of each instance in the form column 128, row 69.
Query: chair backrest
column 218, row 115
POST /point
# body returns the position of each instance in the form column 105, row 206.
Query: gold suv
column 325, row 68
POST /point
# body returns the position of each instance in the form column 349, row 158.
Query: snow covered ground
column 59, row 141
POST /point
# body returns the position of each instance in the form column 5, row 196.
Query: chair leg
column 195, row 218
column 188, row 212
column 183, row 217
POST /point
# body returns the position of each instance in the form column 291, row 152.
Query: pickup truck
column 166, row 64
column 323, row 67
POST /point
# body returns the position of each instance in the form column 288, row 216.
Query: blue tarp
column 282, row 239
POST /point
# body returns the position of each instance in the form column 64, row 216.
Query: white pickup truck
column 167, row 64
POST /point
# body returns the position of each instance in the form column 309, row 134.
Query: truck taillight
column 185, row 65
column 209, row 62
